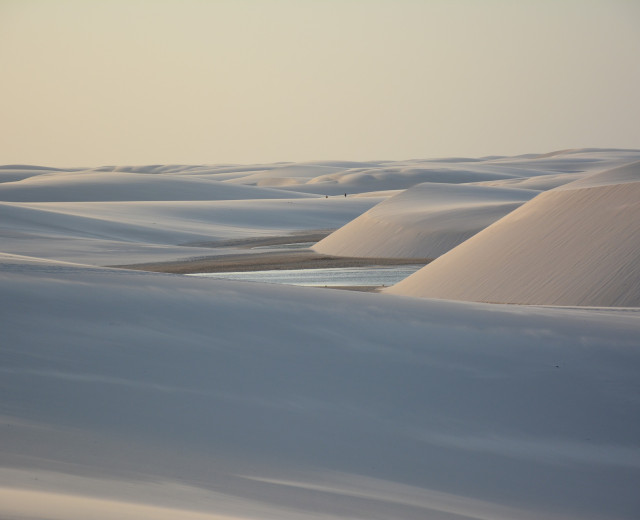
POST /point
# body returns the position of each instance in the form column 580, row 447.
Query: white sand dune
column 359, row 180
column 138, row 395
column 540, row 183
column 573, row 160
column 124, row 186
column 179, row 221
column 128, row 395
column 286, row 175
column 336, row 179
column 425, row 221
column 111, row 215
column 429, row 219
column 109, row 233
column 628, row 173
column 389, row 175
column 18, row 172
column 574, row 245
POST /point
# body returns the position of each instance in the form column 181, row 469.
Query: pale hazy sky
column 87, row 83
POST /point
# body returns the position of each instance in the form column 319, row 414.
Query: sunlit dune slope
column 425, row 221
column 574, row 245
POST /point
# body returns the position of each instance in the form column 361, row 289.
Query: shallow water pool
column 329, row 277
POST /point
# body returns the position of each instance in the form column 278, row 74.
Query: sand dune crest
column 574, row 245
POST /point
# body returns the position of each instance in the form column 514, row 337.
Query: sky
column 89, row 83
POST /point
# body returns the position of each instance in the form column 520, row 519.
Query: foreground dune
column 574, row 245
column 138, row 395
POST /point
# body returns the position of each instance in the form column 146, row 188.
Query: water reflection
column 330, row 277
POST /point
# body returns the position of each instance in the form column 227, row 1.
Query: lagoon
column 374, row 276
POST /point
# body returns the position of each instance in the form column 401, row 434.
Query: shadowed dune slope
column 574, row 245
column 130, row 395
column 124, row 186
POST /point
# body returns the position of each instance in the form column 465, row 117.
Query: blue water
column 329, row 277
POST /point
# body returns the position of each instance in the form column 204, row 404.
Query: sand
column 130, row 394
column 424, row 221
column 305, row 259
column 576, row 245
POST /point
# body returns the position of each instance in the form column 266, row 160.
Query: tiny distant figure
column 345, row 194
column 326, row 196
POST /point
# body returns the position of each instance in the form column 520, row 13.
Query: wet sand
column 359, row 288
column 273, row 260
column 296, row 238
column 297, row 259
